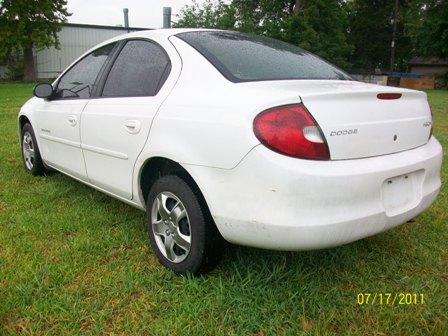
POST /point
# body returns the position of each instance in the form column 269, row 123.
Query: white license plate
column 402, row 193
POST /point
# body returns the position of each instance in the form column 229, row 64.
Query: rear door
column 59, row 118
column 116, row 124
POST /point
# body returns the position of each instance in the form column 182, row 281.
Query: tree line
column 357, row 35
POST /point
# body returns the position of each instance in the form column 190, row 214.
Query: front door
column 58, row 119
column 115, row 125
column 58, row 129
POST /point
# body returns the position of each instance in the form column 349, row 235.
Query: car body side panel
column 58, row 128
column 199, row 123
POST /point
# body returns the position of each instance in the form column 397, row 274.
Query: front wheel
column 181, row 232
column 32, row 160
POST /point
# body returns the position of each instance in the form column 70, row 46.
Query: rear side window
column 79, row 80
column 243, row 57
column 140, row 69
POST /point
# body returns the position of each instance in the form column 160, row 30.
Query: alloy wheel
column 28, row 150
column 171, row 227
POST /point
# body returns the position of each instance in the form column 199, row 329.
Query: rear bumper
column 276, row 202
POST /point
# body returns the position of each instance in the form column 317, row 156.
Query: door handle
column 72, row 120
column 132, row 126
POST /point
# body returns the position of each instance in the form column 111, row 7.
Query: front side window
column 139, row 70
column 243, row 57
column 79, row 81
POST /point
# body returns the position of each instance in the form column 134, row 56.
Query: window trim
column 98, row 76
column 105, row 74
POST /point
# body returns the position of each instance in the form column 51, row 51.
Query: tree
column 212, row 14
column 371, row 32
column 433, row 35
column 319, row 25
column 28, row 24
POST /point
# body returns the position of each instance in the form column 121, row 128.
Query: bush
column 441, row 81
column 14, row 71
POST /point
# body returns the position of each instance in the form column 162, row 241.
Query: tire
column 32, row 161
column 187, row 242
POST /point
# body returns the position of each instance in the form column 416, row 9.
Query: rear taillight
column 291, row 130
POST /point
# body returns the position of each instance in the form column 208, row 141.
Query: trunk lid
column 356, row 123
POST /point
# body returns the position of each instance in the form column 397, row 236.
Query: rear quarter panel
column 207, row 120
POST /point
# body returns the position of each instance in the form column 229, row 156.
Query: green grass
column 74, row 261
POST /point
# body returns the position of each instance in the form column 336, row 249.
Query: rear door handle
column 132, row 126
column 72, row 120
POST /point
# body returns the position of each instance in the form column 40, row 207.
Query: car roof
column 153, row 34
column 159, row 33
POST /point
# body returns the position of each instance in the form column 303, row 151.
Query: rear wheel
column 32, row 160
column 181, row 232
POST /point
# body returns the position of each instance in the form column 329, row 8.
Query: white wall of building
column 74, row 40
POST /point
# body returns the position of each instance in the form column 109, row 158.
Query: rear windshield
column 242, row 57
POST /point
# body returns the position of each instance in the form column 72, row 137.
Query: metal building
column 74, row 40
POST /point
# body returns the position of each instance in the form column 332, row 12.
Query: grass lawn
column 74, row 261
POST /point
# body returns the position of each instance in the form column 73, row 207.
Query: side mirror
column 43, row 90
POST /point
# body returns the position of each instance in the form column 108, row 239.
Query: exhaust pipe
column 126, row 18
column 166, row 17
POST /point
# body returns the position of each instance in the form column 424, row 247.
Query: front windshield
column 242, row 57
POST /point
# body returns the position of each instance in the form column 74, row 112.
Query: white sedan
column 220, row 134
